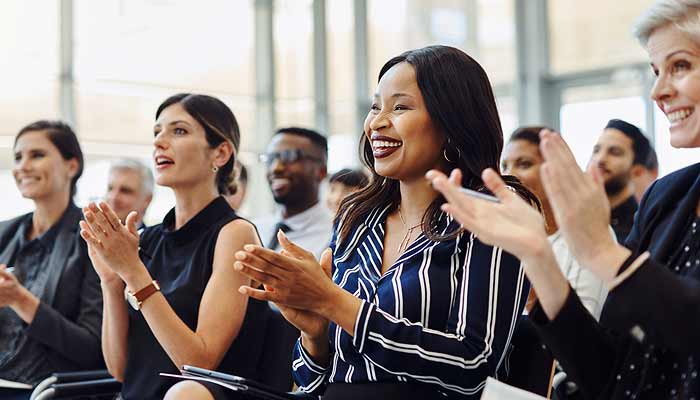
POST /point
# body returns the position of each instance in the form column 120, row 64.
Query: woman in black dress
column 646, row 345
column 178, row 278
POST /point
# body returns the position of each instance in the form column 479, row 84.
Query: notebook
column 497, row 390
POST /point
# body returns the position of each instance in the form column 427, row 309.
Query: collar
column 68, row 220
column 304, row 219
column 626, row 208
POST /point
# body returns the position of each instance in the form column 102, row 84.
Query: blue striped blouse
column 443, row 314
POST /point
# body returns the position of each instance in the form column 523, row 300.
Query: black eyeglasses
column 286, row 156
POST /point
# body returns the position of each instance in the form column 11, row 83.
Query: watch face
column 133, row 302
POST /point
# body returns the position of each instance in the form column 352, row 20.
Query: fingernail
column 241, row 290
column 237, row 266
column 249, row 247
column 240, row 255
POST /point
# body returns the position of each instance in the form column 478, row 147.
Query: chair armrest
column 87, row 388
column 68, row 377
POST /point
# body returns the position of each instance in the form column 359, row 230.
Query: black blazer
column 69, row 318
column 655, row 304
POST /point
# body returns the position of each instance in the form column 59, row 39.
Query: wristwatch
column 136, row 299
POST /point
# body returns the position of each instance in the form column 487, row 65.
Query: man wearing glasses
column 296, row 165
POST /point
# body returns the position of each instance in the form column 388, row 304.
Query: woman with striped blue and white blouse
column 405, row 302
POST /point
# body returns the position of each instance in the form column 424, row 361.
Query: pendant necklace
column 407, row 237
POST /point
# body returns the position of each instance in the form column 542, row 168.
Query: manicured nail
column 249, row 247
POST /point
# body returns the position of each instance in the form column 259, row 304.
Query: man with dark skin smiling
column 296, row 165
column 620, row 154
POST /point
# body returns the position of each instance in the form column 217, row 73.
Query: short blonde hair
column 683, row 14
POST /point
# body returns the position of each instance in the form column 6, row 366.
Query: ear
column 224, row 152
column 73, row 166
column 637, row 171
column 322, row 172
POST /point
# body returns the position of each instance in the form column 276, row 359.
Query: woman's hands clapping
column 112, row 247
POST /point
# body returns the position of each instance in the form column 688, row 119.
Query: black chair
column 274, row 368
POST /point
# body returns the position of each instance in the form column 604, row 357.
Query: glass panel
column 586, row 110
column 131, row 54
column 593, row 34
column 670, row 159
column 496, row 39
column 29, row 61
column 294, row 62
column 341, row 66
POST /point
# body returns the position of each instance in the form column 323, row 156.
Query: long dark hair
column 62, row 136
column 219, row 125
column 462, row 106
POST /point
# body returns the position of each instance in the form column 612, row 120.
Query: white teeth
column 384, row 143
column 679, row 115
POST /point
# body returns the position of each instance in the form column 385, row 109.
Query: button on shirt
column 442, row 314
column 311, row 229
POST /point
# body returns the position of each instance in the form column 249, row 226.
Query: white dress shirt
column 588, row 287
column 311, row 229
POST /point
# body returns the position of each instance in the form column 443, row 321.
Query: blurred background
column 105, row 65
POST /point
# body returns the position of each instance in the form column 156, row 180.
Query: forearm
column 26, row 305
column 317, row 348
column 547, row 279
column 115, row 327
column 183, row 345
column 341, row 307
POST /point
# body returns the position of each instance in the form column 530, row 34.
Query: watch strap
column 147, row 292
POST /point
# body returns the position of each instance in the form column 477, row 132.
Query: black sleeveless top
column 181, row 261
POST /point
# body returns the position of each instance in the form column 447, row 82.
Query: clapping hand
column 580, row 207
column 113, row 247
column 511, row 224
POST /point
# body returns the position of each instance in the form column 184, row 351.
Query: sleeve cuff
column 359, row 337
column 41, row 326
column 565, row 319
column 638, row 262
column 306, row 358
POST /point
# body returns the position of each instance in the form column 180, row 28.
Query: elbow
column 117, row 373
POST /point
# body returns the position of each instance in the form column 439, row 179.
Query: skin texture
column 125, row 193
column 295, row 185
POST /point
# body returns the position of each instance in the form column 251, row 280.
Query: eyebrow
column 668, row 56
column 395, row 95
column 174, row 123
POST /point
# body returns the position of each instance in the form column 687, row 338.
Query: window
column 593, row 34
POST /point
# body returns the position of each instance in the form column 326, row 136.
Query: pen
column 479, row 195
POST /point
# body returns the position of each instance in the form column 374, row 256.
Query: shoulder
column 9, row 227
column 238, row 231
column 680, row 179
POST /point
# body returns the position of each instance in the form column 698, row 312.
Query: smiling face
column 182, row 154
column 405, row 144
column 39, row 169
column 295, row 184
column 675, row 58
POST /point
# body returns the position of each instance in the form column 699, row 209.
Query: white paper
column 496, row 390
column 13, row 385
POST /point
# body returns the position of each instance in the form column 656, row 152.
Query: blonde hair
column 683, row 14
